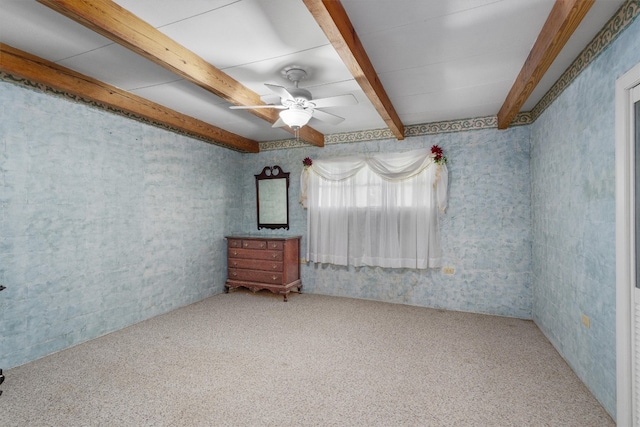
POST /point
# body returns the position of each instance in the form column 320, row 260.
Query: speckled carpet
column 244, row 359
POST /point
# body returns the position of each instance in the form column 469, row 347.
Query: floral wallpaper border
column 411, row 130
column 4, row 76
column 628, row 12
column 612, row 29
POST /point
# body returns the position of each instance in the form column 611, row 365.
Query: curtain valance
column 388, row 166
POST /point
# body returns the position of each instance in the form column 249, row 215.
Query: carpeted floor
column 244, row 359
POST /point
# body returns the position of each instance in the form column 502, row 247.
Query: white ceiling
column 438, row 60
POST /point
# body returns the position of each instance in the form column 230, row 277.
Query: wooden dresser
column 271, row 263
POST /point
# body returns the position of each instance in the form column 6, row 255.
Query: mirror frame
column 272, row 173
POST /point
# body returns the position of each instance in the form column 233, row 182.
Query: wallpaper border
column 40, row 87
column 627, row 13
column 449, row 126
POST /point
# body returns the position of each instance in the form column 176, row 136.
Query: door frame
column 625, row 248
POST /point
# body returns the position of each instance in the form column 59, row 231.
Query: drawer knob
column 273, row 245
column 235, row 264
column 274, row 256
column 246, row 245
column 262, row 245
column 234, row 274
column 235, row 252
column 275, row 266
column 274, row 277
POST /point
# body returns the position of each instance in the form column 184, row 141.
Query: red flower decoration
column 438, row 155
column 307, row 161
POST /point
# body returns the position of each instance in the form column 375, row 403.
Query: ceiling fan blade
column 252, row 107
column 279, row 123
column 327, row 117
column 335, row 101
column 280, row 91
column 272, row 98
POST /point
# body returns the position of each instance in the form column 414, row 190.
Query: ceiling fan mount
column 298, row 104
column 300, row 96
column 295, row 73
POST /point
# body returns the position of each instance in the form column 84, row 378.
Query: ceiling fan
column 297, row 104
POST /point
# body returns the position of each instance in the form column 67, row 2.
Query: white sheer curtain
column 377, row 210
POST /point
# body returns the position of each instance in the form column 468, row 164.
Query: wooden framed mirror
column 272, row 194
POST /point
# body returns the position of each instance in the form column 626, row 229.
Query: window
column 377, row 210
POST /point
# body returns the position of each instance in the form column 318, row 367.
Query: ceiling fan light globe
column 296, row 118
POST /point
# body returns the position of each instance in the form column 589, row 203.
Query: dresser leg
column 285, row 298
column 226, row 289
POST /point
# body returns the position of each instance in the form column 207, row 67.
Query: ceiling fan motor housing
column 300, row 95
column 296, row 74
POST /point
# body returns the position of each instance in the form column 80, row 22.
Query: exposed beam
column 335, row 23
column 24, row 65
column 564, row 18
column 118, row 24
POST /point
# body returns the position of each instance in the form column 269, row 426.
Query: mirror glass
column 272, row 189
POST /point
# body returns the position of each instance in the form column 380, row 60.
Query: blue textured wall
column 486, row 232
column 573, row 218
column 104, row 222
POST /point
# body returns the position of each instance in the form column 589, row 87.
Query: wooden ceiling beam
column 118, row 24
column 24, row 65
column 564, row 18
column 335, row 23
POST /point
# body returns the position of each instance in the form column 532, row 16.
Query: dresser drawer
column 275, row 245
column 250, row 264
column 255, row 276
column 248, row 244
column 254, row 244
column 234, row 243
column 255, row 254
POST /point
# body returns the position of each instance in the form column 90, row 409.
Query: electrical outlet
column 586, row 321
column 449, row 270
